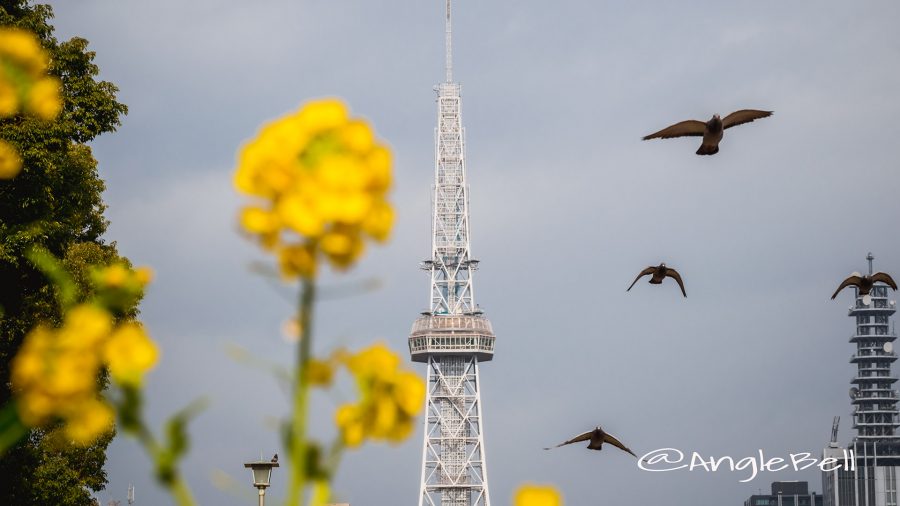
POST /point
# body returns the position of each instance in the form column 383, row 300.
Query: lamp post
column 262, row 475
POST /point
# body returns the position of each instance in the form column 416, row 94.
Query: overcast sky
column 567, row 206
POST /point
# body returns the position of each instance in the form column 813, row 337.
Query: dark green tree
column 54, row 203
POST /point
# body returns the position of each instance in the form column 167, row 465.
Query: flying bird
column 865, row 283
column 711, row 130
column 596, row 437
column 659, row 274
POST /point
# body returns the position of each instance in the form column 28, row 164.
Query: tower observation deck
column 452, row 337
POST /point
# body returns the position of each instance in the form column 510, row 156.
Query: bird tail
column 707, row 150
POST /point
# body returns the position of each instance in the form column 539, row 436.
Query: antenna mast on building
column 452, row 337
column 875, row 405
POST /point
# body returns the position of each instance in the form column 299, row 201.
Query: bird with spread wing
column 596, row 437
column 711, row 131
column 865, row 283
column 659, row 273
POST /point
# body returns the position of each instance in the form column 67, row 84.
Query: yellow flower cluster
column 55, row 373
column 322, row 179
column 118, row 275
column 537, row 495
column 24, row 83
column 390, row 398
column 10, row 161
column 24, row 86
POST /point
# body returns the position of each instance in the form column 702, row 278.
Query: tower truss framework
column 452, row 337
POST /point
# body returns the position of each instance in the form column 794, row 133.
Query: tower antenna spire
column 869, row 257
column 448, row 64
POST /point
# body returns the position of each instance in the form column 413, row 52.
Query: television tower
column 453, row 336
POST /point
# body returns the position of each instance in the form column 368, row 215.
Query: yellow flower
column 9, row 97
column 323, row 179
column 119, row 277
column 143, row 275
column 390, row 398
column 297, row 261
column 90, row 420
column 351, row 427
column 377, row 362
column 259, row 221
column 129, row 353
column 379, row 221
column 319, row 373
column 409, row 392
column 23, row 75
column 537, row 495
column 54, row 374
column 24, row 49
column 43, row 98
column 85, row 326
column 10, row 161
column 115, row 275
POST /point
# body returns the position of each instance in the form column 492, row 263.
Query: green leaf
column 66, row 289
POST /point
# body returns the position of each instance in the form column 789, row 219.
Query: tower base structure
column 454, row 471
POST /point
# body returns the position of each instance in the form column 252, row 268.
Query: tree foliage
column 56, row 203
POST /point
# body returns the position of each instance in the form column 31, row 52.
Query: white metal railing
column 422, row 344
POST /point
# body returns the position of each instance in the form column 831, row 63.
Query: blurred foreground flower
column 10, row 161
column 24, row 87
column 55, row 373
column 390, row 398
column 537, row 495
column 321, row 178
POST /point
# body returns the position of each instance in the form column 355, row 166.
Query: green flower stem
column 298, row 446
column 181, row 492
column 177, row 487
column 321, row 493
column 11, row 435
column 12, row 430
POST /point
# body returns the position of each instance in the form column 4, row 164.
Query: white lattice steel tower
column 453, row 336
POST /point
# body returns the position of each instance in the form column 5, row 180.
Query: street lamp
column 262, row 475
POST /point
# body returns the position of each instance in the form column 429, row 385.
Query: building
column 452, row 336
column 873, row 396
column 786, row 493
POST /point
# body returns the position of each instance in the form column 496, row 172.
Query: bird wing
column 645, row 272
column 743, row 116
column 884, row 278
column 618, row 444
column 690, row 127
column 581, row 437
column 672, row 273
column 851, row 281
